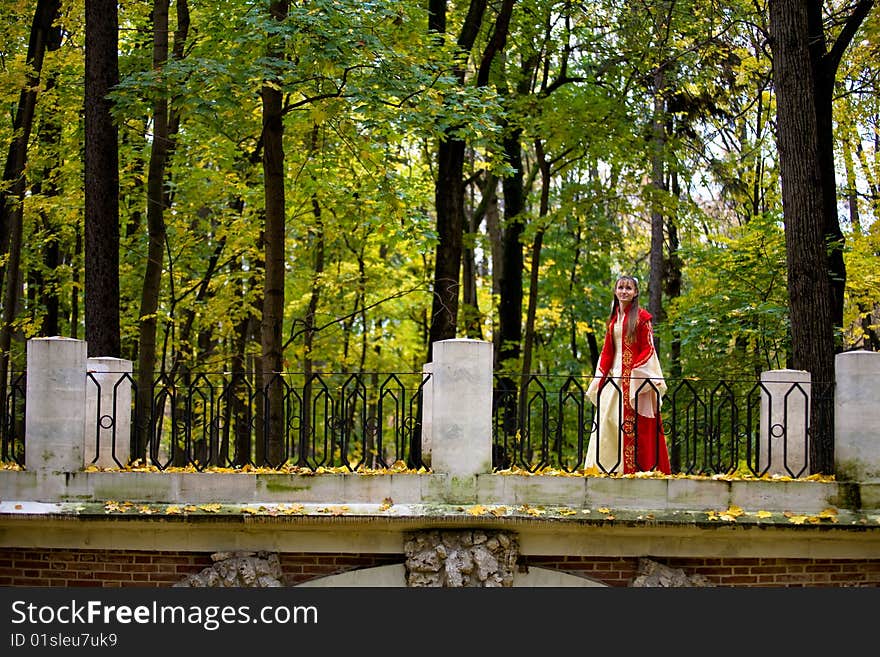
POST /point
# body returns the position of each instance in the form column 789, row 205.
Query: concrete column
column 785, row 415
column 857, row 416
column 108, row 414
column 461, row 427
column 427, row 412
column 55, row 404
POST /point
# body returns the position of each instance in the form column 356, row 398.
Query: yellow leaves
column 280, row 510
column 729, row 515
column 480, row 510
column 334, row 510
column 211, row 508
column 112, row 506
column 567, row 512
column 829, row 514
column 387, row 503
column 763, row 514
column 603, row 509
column 794, row 518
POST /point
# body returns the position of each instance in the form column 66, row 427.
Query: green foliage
column 733, row 320
column 367, row 95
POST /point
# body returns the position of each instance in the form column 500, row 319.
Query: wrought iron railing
column 374, row 420
column 711, row 427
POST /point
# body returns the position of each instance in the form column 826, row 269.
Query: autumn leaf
column 477, row 510
column 731, row 514
column 795, row 518
column 173, row 510
column 763, row 514
column 387, row 503
column 211, row 508
column 334, row 510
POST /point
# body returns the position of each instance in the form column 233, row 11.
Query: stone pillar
column 461, row 426
column 785, row 415
column 108, row 412
column 857, row 416
column 55, row 404
column 427, row 412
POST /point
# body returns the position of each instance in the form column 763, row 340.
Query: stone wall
column 461, row 558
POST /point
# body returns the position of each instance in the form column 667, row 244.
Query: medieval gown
column 631, row 367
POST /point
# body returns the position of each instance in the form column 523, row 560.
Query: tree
column 273, row 242
column 101, row 181
column 449, row 188
column 803, row 73
column 44, row 35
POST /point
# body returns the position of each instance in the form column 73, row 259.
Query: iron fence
column 374, row 420
column 711, row 427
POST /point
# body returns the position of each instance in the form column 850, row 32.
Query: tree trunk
column 531, row 313
column 803, row 208
column 511, row 299
column 658, row 184
column 309, row 329
column 156, row 198
column 449, row 192
column 44, row 36
column 101, row 181
column 273, row 285
column 804, row 69
column 49, row 136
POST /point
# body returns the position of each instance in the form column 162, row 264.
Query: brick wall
column 739, row 572
column 113, row 568
column 61, row 567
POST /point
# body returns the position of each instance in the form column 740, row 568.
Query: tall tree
column 44, row 35
column 101, row 180
column 804, row 69
column 165, row 126
column 449, row 187
column 273, row 244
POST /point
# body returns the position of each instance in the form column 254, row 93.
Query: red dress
column 635, row 370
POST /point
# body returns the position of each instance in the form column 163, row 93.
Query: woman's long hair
column 632, row 313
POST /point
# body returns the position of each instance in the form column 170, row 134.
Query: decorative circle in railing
column 106, row 421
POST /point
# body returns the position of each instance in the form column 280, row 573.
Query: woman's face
column 625, row 291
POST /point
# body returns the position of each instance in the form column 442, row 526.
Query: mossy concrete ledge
column 577, row 491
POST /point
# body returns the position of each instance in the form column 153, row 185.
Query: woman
column 629, row 365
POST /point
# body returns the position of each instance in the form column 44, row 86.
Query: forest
column 277, row 186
